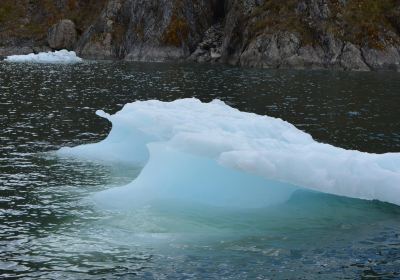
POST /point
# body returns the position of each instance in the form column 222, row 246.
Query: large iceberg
column 211, row 153
column 62, row 56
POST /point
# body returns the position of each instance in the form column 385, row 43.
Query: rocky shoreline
column 304, row 34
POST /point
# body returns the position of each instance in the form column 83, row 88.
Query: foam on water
column 211, row 153
column 62, row 56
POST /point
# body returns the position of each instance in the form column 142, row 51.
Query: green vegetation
column 362, row 22
column 365, row 21
column 6, row 11
column 17, row 21
column 177, row 31
column 280, row 15
column 373, row 23
column 10, row 12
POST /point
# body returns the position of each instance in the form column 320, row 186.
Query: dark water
column 50, row 228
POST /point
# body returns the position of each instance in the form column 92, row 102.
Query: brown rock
column 62, row 35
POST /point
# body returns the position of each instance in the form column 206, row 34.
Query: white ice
column 214, row 154
column 62, row 56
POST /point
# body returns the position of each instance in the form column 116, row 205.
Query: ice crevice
column 211, row 153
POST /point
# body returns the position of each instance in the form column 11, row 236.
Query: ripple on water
column 50, row 228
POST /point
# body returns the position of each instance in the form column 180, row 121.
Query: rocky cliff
column 337, row 34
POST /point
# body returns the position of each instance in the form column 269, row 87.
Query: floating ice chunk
column 212, row 153
column 175, row 176
column 62, row 56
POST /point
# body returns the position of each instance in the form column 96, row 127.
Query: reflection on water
column 50, row 227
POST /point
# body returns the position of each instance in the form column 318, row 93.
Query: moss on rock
column 177, row 32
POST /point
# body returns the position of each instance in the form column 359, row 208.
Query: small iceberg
column 211, row 153
column 56, row 57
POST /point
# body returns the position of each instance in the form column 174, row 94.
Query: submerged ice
column 214, row 154
column 62, row 56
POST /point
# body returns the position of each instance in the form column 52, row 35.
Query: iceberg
column 62, row 56
column 211, row 153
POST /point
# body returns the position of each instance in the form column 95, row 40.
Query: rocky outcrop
column 312, row 34
column 24, row 25
column 335, row 34
column 350, row 58
column 385, row 59
column 210, row 48
column 62, row 35
column 147, row 30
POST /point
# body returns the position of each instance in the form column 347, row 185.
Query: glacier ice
column 214, row 154
column 62, row 56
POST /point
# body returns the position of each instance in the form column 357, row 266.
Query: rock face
column 147, row 30
column 24, row 24
column 210, row 48
column 62, row 35
column 357, row 35
column 348, row 35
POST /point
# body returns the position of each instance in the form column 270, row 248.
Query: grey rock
column 307, row 57
column 319, row 9
column 155, row 54
column 62, row 35
column 274, row 48
column 282, row 50
column 255, row 33
column 351, row 58
column 387, row 59
column 333, row 48
column 156, row 30
column 288, row 44
column 209, row 49
column 263, row 51
column 98, row 47
column 136, row 30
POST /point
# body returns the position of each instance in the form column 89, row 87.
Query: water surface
column 50, row 228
